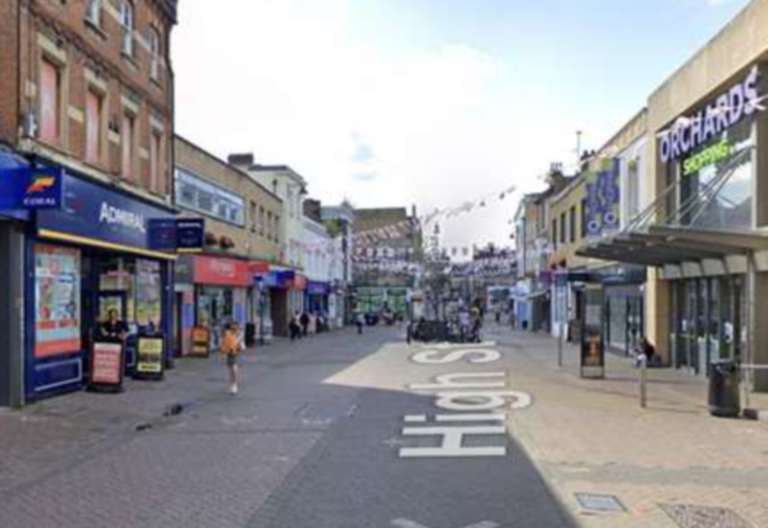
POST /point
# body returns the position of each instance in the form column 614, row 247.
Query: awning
column 656, row 246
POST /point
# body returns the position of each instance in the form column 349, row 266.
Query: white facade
column 632, row 168
column 317, row 250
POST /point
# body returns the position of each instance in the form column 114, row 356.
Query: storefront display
column 57, row 300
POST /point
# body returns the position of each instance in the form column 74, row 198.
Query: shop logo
column 688, row 133
column 222, row 267
column 113, row 215
column 41, row 184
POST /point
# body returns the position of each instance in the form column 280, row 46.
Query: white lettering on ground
column 407, row 523
column 471, row 396
column 441, row 357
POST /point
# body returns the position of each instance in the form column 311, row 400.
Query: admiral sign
column 740, row 101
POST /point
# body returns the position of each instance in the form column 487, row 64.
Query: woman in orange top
column 231, row 346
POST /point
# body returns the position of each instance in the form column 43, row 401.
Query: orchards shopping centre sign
column 741, row 101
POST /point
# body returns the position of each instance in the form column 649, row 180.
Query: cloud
column 365, row 176
column 363, row 153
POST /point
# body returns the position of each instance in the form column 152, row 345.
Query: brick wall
column 9, row 83
column 90, row 57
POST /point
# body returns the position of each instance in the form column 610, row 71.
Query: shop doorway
column 178, row 307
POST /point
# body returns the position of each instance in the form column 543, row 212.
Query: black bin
column 724, row 389
column 250, row 334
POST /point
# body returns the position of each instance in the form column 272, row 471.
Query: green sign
column 708, row 156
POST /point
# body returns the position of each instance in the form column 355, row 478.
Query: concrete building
column 319, row 256
column 223, row 283
column 87, row 87
column 340, row 222
column 702, row 236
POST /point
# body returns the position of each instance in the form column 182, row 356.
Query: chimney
column 240, row 160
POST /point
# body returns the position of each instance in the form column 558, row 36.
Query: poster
column 106, row 363
column 150, row 355
column 57, row 300
column 201, row 342
column 148, row 287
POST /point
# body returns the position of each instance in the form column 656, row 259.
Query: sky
column 426, row 102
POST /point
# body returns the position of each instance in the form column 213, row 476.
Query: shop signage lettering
column 708, row 156
column 106, row 364
column 114, row 215
column 728, row 109
column 95, row 211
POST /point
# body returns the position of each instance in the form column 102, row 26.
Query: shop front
column 84, row 259
column 219, row 288
column 316, row 297
column 285, row 296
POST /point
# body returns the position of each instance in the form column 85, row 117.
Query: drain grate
column 693, row 516
column 600, row 503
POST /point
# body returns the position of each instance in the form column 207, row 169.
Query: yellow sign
column 150, row 355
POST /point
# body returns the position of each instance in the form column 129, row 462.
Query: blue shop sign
column 318, row 288
column 190, row 234
column 30, row 188
column 94, row 211
column 279, row 278
column 162, row 234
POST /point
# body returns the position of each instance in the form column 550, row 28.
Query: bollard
column 643, row 377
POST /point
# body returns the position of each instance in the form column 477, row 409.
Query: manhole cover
column 601, row 503
column 692, row 516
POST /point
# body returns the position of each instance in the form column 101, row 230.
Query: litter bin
column 724, row 389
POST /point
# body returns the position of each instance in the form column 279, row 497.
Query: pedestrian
column 304, row 320
column 113, row 327
column 645, row 350
column 359, row 321
column 231, row 347
column 293, row 326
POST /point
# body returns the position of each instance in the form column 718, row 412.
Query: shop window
column 50, row 102
column 57, row 300
column 93, row 129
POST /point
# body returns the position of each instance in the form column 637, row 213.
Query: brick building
column 86, row 94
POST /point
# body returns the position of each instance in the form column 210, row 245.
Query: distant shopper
column 293, row 326
column 113, row 327
column 231, row 347
column 304, row 320
column 645, row 348
column 359, row 321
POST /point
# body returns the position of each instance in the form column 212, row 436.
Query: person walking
column 293, row 326
column 231, row 347
column 359, row 321
column 304, row 320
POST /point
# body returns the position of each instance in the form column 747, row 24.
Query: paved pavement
column 312, row 440
column 345, row 431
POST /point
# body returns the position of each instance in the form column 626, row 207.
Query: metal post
column 560, row 347
column 643, row 379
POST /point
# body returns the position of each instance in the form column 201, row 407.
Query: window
column 93, row 12
column 583, row 218
column 50, row 102
column 93, row 128
column 126, row 19
column 261, row 221
column 253, row 216
column 128, row 131
column 562, row 227
column 277, row 228
column 195, row 193
column 572, row 223
column 554, row 233
column 154, row 53
column 155, row 162
column 269, row 225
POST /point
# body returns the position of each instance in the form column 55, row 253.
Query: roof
column 366, row 219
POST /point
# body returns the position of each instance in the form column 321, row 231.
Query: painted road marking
column 470, row 396
column 406, row 523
